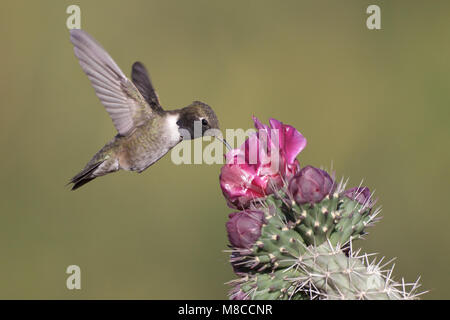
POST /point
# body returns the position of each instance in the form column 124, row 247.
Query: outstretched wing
column 141, row 80
column 126, row 106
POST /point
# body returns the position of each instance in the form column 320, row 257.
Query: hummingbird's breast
column 149, row 143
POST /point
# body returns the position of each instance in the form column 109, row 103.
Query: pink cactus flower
column 266, row 159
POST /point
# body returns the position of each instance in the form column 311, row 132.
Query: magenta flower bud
column 361, row 195
column 311, row 185
column 244, row 228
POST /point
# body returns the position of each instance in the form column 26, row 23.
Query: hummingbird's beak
column 224, row 142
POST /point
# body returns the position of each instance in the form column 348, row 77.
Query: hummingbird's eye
column 204, row 122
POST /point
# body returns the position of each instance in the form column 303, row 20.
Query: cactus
column 295, row 239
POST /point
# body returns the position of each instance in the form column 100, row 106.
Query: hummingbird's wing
column 141, row 80
column 126, row 106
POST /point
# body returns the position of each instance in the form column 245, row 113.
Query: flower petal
column 294, row 143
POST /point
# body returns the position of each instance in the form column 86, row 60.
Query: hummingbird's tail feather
column 82, row 182
column 84, row 176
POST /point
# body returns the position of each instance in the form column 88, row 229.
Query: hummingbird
column 146, row 132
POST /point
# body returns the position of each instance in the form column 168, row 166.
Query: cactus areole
column 292, row 236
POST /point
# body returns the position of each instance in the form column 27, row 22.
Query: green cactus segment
column 304, row 252
column 333, row 275
column 277, row 247
column 324, row 272
column 289, row 228
column 271, row 286
column 350, row 221
column 335, row 218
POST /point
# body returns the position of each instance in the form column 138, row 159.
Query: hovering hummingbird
column 146, row 132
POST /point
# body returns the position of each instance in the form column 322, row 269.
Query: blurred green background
column 373, row 103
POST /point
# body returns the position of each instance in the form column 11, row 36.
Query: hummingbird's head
column 199, row 119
